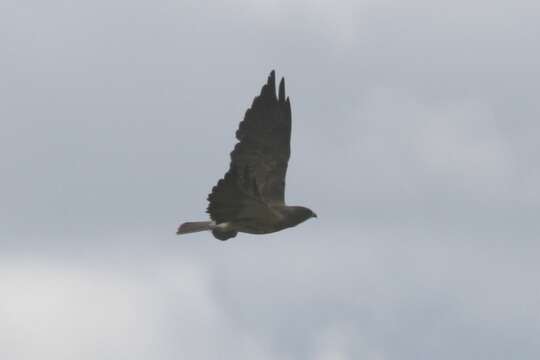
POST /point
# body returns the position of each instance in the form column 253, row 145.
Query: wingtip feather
column 271, row 84
column 282, row 90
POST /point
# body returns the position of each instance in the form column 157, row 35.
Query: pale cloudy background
column 415, row 139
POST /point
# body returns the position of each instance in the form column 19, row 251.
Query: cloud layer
column 414, row 139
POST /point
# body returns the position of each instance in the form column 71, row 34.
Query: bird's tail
column 195, row 226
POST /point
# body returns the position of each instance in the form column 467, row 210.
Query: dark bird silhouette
column 251, row 196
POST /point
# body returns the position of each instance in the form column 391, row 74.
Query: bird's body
column 251, row 196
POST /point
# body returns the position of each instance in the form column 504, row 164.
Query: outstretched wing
column 256, row 176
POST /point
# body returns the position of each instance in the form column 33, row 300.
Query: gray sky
column 415, row 139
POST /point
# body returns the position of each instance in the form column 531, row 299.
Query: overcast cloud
column 415, row 139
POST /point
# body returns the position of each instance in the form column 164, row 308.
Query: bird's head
column 303, row 213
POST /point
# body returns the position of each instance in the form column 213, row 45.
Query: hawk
column 251, row 196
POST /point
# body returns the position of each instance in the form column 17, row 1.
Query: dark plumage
column 251, row 196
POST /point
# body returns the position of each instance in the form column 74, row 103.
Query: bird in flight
column 251, row 196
